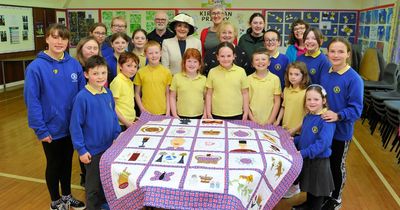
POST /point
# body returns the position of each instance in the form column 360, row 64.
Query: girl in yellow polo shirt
column 292, row 111
column 227, row 87
column 187, row 89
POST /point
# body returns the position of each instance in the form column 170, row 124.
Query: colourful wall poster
column 16, row 29
column 135, row 19
column 211, row 3
column 239, row 18
column 375, row 30
column 79, row 22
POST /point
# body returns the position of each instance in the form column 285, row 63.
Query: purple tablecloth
column 202, row 164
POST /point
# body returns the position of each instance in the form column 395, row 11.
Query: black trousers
column 94, row 191
column 338, row 166
column 58, row 166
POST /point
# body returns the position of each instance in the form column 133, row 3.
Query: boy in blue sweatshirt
column 278, row 61
column 314, row 145
column 52, row 81
column 345, row 95
column 94, row 126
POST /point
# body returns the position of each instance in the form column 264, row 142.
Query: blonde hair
column 151, row 43
column 223, row 26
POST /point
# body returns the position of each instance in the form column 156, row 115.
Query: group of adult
column 176, row 36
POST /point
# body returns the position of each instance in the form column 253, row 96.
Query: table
column 191, row 164
column 23, row 59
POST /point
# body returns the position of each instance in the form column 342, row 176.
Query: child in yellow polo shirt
column 292, row 111
column 122, row 89
column 187, row 89
column 227, row 87
column 265, row 90
column 152, row 83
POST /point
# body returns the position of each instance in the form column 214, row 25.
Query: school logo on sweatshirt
column 74, row 77
column 278, row 67
column 55, row 71
column 313, row 71
column 315, row 129
column 336, row 89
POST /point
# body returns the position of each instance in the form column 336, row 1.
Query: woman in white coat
column 173, row 48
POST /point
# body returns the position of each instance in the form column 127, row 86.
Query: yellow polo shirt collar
column 60, row 58
column 275, row 55
column 320, row 112
column 260, row 78
column 195, row 78
column 315, row 54
column 94, row 91
column 341, row 71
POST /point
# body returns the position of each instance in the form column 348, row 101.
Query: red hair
column 192, row 53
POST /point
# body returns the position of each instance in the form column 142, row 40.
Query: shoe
column 331, row 204
column 58, row 205
column 72, row 202
column 293, row 190
column 302, row 206
column 104, row 206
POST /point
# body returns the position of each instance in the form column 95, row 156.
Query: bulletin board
column 331, row 23
column 375, row 29
column 16, row 29
column 135, row 18
column 79, row 22
column 239, row 18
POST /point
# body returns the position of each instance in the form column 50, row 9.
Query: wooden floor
column 22, row 164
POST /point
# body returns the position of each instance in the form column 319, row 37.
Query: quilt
column 199, row 164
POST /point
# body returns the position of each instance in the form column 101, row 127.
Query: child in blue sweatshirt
column 314, row 145
column 94, row 126
column 315, row 60
column 345, row 95
column 52, row 81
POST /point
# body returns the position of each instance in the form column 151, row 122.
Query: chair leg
column 387, row 140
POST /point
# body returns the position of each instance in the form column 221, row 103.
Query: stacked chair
column 392, row 126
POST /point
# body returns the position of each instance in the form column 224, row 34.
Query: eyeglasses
column 270, row 40
column 99, row 33
column 302, row 28
column 160, row 19
column 119, row 26
column 216, row 13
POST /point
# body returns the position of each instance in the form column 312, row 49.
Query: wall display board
column 16, row 29
column 331, row 23
column 79, row 22
column 135, row 18
column 239, row 18
column 375, row 29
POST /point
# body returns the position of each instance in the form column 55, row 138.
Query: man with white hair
column 160, row 32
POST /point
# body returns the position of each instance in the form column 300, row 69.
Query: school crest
column 336, row 89
column 74, row 77
column 278, row 67
column 55, row 71
column 313, row 71
column 315, row 129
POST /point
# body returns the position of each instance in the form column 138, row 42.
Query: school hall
column 373, row 158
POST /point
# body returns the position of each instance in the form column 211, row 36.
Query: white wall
column 374, row 3
column 273, row 4
column 58, row 4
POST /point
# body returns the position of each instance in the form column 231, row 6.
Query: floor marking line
column 30, row 179
column 377, row 171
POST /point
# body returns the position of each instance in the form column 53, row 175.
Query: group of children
column 61, row 106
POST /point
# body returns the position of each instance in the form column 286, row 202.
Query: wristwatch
column 339, row 116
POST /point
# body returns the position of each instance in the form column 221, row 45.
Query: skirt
column 316, row 177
